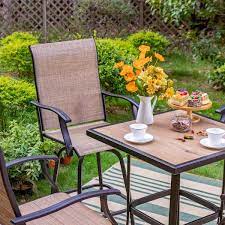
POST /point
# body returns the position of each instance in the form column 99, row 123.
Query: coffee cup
column 138, row 130
column 215, row 135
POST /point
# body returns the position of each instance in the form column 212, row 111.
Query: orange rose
column 129, row 77
column 159, row 57
column 126, row 69
column 131, row 87
column 138, row 72
column 119, row 65
column 139, row 63
column 142, row 55
column 144, row 48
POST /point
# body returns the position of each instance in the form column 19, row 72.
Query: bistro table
column 169, row 154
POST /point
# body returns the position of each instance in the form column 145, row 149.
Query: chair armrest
column 221, row 110
column 134, row 104
column 132, row 101
column 42, row 158
column 63, row 120
column 59, row 112
column 30, row 158
column 63, row 204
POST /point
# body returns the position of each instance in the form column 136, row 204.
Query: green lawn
column 188, row 73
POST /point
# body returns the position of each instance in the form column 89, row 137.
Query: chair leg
column 98, row 156
column 107, row 212
column 79, row 175
column 222, row 201
column 122, row 165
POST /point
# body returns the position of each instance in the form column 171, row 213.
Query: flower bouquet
column 146, row 79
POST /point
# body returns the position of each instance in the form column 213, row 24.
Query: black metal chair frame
column 64, row 119
column 43, row 159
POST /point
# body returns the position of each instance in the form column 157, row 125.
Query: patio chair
column 70, row 99
column 58, row 208
column 221, row 220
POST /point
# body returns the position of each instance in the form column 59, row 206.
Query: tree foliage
column 197, row 12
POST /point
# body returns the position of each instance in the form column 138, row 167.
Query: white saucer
column 130, row 137
column 205, row 142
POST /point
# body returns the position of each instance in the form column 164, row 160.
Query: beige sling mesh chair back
column 70, row 97
column 67, row 78
column 58, row 208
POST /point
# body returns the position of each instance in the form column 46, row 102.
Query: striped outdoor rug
column 146, row 179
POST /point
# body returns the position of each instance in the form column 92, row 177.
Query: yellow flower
column 144, row 48
column 169, row 92
column 161, row 75
column 151, row 90
column 159, row 57
column 119, row 65
column 170, row 83
column 131, row 87
column 129, row 77
column 159, row 70
column 126, row 69
column 139, row 63
column 150, row 69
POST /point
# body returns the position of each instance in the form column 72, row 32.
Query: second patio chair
column 58, row 208
column 70, row 99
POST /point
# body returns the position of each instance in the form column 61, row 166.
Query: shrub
column 114, row 14
column 158, row 42
column 21, row 141
column 14, row 53
column 15, row 95
column 217, row 78
column 111, row 51
column 207, row 48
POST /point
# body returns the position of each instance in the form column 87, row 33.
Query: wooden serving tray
column 189, row 110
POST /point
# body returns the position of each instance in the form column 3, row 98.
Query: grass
column 187, row 73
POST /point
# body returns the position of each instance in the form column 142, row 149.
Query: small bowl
column 181, row 123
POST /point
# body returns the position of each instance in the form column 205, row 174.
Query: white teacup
column 138, row 130
column 215, row 135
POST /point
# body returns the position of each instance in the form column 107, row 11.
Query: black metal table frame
column 175, row 192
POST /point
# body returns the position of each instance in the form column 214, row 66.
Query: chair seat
column 81, row 142
column 77, row 214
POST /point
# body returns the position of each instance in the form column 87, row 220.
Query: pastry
column 198, row 98
column 195, row 99
column 180, row 98
column 205, row 99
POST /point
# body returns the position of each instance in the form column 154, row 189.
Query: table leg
column 223, row 192
column 174, row 200
column 128, row 189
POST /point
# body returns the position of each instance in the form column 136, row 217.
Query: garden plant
column 202, row 62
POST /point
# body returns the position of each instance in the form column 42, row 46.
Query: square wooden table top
column 165, row 151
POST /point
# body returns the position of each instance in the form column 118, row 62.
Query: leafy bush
column 111, row 51
column 158, row 42
column 209, row 48
column 21, row 141
column 217, row 78
column 15, row 95
column 14, row 53
column 114, row 14
column 191, row 11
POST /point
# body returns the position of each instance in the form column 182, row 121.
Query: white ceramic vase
column 146, row 108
